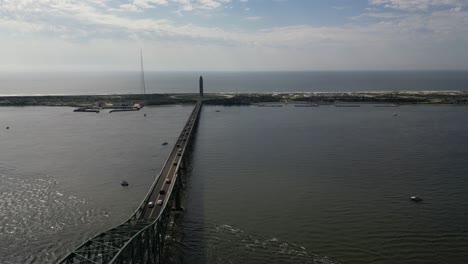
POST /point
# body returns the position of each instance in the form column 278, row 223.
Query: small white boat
column 416, row 198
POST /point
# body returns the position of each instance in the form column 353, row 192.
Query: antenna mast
column 143, row 87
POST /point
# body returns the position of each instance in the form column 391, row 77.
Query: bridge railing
column 137, row 214
column 127, row 240
column 145, row 246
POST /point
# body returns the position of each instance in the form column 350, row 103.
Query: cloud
column 90, row 16
column 137, row 5
column 377, row 38
column 412, row 5
column 182, row 5
column 253, row 18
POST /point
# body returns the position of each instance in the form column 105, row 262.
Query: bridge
column 140, row 239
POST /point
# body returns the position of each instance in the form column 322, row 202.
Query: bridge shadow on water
column 186, row 245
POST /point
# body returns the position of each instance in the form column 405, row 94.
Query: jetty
column 306, row 105
column 347, row 105
column 88, row 110
column 124, row 110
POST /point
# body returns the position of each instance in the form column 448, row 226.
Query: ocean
column 92, row 83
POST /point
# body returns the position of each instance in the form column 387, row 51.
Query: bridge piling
column 178, row 205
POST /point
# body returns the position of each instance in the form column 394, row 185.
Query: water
column 238, row 82
column 267, row 185
column 331, row 183
column 60, row 174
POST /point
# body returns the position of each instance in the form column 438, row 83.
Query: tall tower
column 142, row 75
column 201, row 86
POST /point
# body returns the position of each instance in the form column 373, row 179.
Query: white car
column 150, row 204
column 159, row 202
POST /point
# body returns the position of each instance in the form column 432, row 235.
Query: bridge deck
column 168, row 175
column 111, row 245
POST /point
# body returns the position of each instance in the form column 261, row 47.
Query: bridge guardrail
column 136, row 216
column 118, row 257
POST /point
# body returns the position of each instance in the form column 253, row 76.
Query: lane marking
column 190, row 127
column 165, row 178
column 172, row 166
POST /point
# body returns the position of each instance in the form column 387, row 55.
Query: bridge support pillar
column 182, row 164
column 177, row 199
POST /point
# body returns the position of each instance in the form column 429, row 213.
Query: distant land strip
column 127, row 100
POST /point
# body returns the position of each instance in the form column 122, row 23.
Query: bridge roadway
column 140, row 239
column 167, row 178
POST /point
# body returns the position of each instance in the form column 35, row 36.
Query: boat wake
column 220, row 244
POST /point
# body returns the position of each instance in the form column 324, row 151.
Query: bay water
column 266, row 185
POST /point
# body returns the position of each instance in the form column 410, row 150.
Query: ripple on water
column 33, row 212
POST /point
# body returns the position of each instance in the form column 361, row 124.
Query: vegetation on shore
column 118, row 101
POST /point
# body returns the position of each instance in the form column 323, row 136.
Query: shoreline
column 125, row 100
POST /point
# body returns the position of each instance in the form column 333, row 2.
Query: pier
column 125, row 110
column 87, row 110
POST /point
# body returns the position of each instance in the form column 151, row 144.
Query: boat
column 395, row 114
column 165, row 143
column 124, row 183
column 416, row 198
column 217, row 111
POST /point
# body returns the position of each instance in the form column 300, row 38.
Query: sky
column 233, row 35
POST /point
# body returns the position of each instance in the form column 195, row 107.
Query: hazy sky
column 91, row 35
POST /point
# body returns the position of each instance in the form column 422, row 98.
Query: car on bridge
column 150, row 204
column 159, row 202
